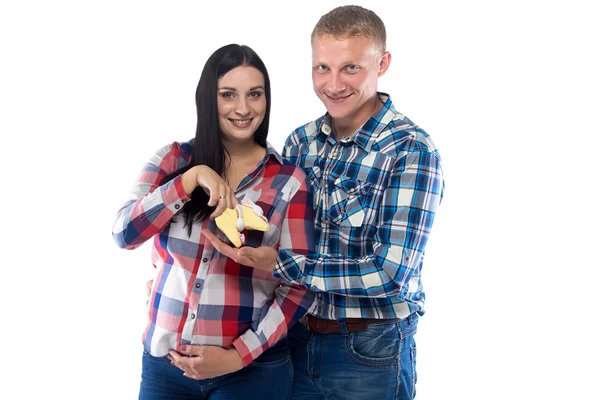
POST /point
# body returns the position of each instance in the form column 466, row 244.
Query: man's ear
column 384, row 63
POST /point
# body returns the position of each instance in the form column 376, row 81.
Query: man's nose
column 335, row 84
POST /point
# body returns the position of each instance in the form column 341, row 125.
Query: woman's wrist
column 189, row 180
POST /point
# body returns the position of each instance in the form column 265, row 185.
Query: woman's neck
column 243, row 150
column 242, row 160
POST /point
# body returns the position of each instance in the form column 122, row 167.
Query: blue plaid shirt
column 375, row 197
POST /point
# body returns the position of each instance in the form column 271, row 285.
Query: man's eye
column 321, row 68
column 352, row 68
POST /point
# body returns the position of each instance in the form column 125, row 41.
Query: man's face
column 345, row 74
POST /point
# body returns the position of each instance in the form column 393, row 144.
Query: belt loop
column 411, row 318
column 343, row 327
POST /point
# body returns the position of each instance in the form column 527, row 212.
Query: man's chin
column 337, row 112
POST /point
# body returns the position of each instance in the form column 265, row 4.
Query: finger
column 183, row 364
column 221, row 247
column 174, row 363
column 214, row 240
column 222, row 202
column 192, row 376
column 221, row 205
column 175, row 356
column 247, row 251
column 233, row 198
column 190, row 350
column 213, row 193
column 229, row 195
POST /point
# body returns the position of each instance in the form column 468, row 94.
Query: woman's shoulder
column 176, row 149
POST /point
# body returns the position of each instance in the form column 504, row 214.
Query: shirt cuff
column 174, row 195
column 287, row 267
column 248, row 346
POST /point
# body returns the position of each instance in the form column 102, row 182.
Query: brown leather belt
column 320, row 325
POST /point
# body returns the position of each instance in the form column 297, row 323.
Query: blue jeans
column 375, row 364
column 268, row 377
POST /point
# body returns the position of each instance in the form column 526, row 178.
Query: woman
column 210, row 316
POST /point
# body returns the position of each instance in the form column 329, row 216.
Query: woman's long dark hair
column 207, row 146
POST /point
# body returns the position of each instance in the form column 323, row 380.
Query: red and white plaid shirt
column 199, row 296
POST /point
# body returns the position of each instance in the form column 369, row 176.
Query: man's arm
column 403, row 225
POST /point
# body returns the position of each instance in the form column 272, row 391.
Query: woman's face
column 241, row 103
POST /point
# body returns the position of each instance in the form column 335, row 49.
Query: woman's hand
column 205, row 362
column 263, row 257
column 221, row 195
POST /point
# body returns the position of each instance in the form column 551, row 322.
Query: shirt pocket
column 274, row 208
column 349, row 202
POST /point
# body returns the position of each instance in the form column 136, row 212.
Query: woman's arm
column 151, row 205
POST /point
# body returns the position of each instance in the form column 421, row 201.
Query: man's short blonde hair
column 350, row 21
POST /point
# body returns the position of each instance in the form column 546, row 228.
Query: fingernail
column 183, row 347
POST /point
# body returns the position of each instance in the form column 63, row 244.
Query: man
column 377, row 182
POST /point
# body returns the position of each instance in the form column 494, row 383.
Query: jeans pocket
column 379, row 345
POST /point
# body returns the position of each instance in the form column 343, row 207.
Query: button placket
column 329, row 166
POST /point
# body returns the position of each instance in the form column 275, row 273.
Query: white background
column 508, row 90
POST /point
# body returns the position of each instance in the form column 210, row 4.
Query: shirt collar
column 365, row 135
column 273, row 154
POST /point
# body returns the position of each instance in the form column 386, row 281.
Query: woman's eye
column 227, row 95
column 255, row 95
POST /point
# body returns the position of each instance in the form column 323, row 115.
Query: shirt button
column 198, row 285
column 326, row 186
column 193, row 316
column 177, row 206
column 204, row 259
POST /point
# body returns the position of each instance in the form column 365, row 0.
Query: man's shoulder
column 401, row 135
column 304, row 133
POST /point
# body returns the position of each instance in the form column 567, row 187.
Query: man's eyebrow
column 347, row 62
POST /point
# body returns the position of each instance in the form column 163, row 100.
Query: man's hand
column 205, row 362
column 263, row 258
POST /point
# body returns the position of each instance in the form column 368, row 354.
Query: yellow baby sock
column 245, row 216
